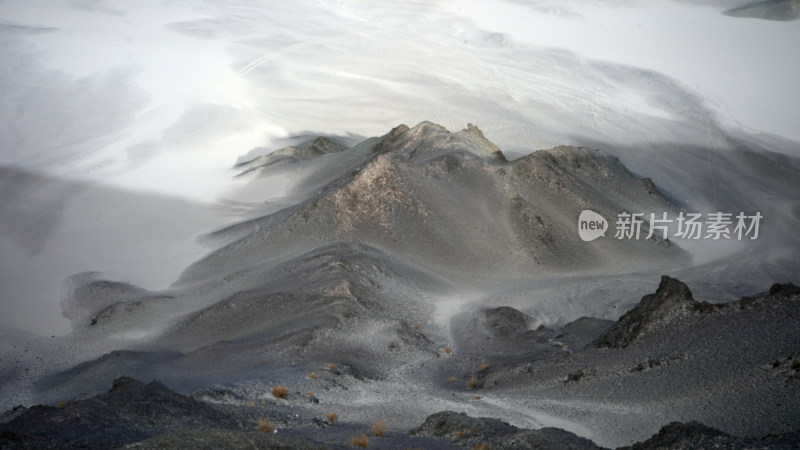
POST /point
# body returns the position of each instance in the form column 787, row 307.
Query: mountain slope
column 350, row 269
column 451, row 203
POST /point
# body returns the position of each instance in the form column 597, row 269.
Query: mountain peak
column 428, row 140
column 476, row 133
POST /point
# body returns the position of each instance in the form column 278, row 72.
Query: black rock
column 672, row 301
column 694, row 435
column 506, row 322
column 672, row 306
column 12, row 413
column 471, row 431
column 131, row 411
column 784, row 289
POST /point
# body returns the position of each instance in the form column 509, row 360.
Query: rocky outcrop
column 471, row 432
column 506, row 322
column 131, row 411
column 693, row 435
column 672, row 301
column 308, row 150
column 501, row 334
column 672, row 307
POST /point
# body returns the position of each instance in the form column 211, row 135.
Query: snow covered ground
column 120, row 120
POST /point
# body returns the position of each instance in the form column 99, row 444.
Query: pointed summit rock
column 672, row 300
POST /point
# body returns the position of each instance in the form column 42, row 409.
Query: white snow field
column 121, row 122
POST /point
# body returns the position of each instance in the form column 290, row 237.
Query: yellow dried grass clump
column 332, row 418
column 313, row 376
column 378, row 428
column 266, row 426
column 360, row 441
column 473, row 383
column 483, row 367
column 448, row 350
column 280, row 392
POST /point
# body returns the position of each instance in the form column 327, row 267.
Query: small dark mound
column 783, row 290
column 471, row 432
column 693, row 435
column 506, row 321
column 131, row 411
column 672, row 305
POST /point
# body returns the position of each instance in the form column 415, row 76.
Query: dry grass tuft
column 416, row 327
column 482, row 447
column 378, row 428
column 313, row 376
column 63, row 404
column 473, row 383
column 360, row 441
column 331, row 366
column 332, row 418
column 250, row 403
column 483, row 367
column 266, row 426
column 463, row 433
column 448, row 350
column 477, row 397
column 452, row 379
column 280, row 392
column 310, row 394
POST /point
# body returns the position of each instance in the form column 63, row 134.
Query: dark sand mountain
column 361, row 279
column 346, row 269
column 450, row 203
